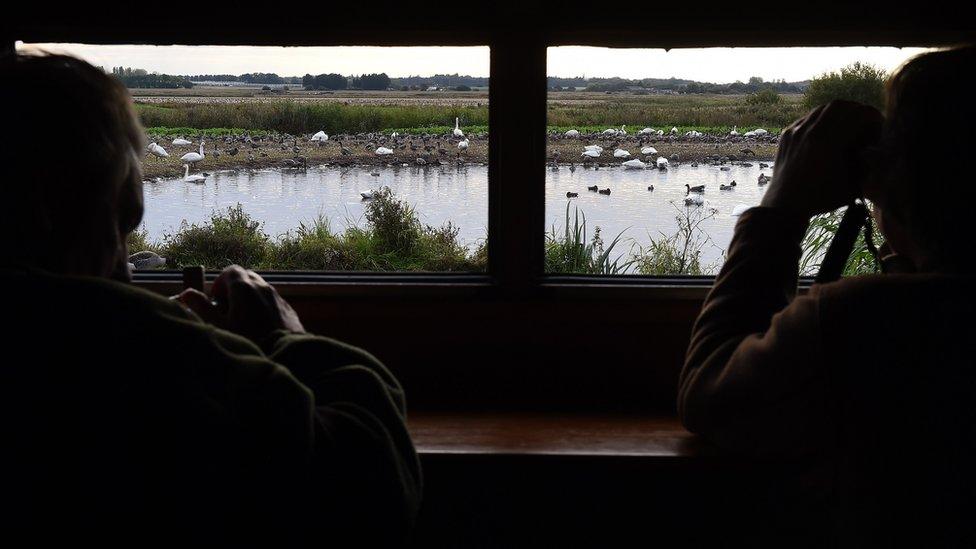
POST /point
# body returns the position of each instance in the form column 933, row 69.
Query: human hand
column 819, row 165
column 242, row 302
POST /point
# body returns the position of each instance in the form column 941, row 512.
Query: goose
column 620, row 153
column 571, row 195
column 594, row 188
column 604, row 191
column 650, row 187
column 192, row 157
column 648, row 150
column 146, row 260
column 319, row 137
column 596, row 148
column 180, row 142
column 591, row 154
column 696, row 189
column 157, row 150
column 734, row 132
column 457, row 127
column 694, row 200
column 572, row 133
column 739, row 209
column 383, row 151
column 662, row 163
column 763, row 179
column 634, row 164
column 195, row 178
column 463, row 144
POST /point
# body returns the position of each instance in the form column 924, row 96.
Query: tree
column 767, row 96
column 308, row 82
column 858, row 81
column 372, row 81
column 330, row 81
column 462, row 88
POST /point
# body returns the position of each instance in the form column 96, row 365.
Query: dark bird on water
column 572, row 195
column 604, row 191
column 696, row 189
column 593, row 188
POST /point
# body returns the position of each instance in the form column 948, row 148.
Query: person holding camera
column 870, row 378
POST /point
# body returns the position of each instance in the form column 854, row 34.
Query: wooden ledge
column 519, row 434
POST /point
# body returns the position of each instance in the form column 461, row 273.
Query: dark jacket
column 871, row 376
column 128, row 421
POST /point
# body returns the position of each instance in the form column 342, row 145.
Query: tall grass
column 307, row 117
column 820, row 233
column 573, row 252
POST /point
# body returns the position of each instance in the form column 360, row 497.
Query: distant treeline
column 675, row 85
column 249, row 78
column 140, row 78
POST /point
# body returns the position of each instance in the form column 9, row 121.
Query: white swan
column 457, row 127
column 693, row 133
column 760, row 131
column 319, row 136
column 620, row 153
column 674, row 130
column 572, row 133
column 610, row 131
column 634, row 164
column 646, row 131
column 383, row 151
column 662, row 163
column 648, row 150
column 591, row 154
column 195, row 178
column 192, row 157
column 739, row 209
column 157, row 150
column 368, row 195
column 146, row 260
column 463, row 144
column 180, row 142
column 596, row 148
column 694, row 200
column 734, row 132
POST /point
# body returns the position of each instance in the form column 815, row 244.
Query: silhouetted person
column 129, row 420
column 872, row 377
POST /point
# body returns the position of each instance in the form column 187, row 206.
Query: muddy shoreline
column 240, row 152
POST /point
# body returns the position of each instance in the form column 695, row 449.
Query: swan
column 457, row 127
column 610, row 131
column 662, row 163
column 693, row 133
column 591, row 154
column 383, row 151
column 648, row 150
column 195, row 178
column 694, row 200
column 192, row 157
column 646, row 131
column 157, row 150
column 368, row 195
column 620, row 153
column 760, row 132
column 463, row 144
column 596, row 148
column 146, row 260
column 739, row 209
column 622, row 130
column 180, row 142
column 734, row 132
column 634, row 164
column 572, row 133
column 674, row 130
column 319, row 136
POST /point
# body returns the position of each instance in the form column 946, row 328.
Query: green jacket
column 132, row 422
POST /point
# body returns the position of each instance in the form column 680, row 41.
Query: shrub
column 859, row 82
column 680, row 253
column 767, row 96
column 229, row 238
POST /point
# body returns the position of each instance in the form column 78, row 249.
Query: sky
column 720, row 65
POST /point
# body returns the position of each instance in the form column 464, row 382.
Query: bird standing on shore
column 457, row 127
column 463, row 144
column 193, row 157
column 157, row 150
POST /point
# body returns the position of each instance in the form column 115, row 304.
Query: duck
column 604, row 191
column 650, row 187
column 457, row 127
column 695, row 189
column 594, row 188
column 571, row 195
column 728, row 187
column 724, row 168
column 763, row 179
column 634, row 164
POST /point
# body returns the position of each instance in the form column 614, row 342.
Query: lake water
column 281, row 199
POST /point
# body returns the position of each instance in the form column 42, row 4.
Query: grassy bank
column 709, row 114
